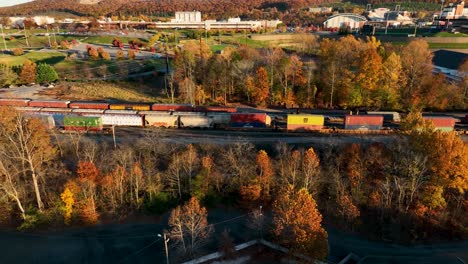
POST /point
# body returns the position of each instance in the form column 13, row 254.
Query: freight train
column 97, row 116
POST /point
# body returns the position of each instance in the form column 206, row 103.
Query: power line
column 139, row 251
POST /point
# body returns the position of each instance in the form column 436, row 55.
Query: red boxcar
column 13, row 102
column 370, row 122
column 441, row 121
column 172, row 107
column 89, row 105
column 49, row 103
column 224, row 109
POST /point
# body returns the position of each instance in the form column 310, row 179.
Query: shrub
column 105, row 55
column 45, row 73
column 131, row 54
column 18, row 51
column 120, row 55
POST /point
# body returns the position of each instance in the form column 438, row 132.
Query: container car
column 122, row 120
column 82, row 123
column 301, row 122
column 14, row 102
column 135, row 107
column 441, row 123
column 55, row 110
column 172, row 107
column 195, row 121
column 225, row 109
column 363, row 122
column 388, row 116
column 49, row 103
column 259, row 120
column 220, row 120
column 80, row 111
column 121, row 112
column 88, row 105
column 156, row 120
column 28, row 109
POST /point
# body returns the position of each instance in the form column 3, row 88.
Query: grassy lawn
column 51, row 58
column 448, row 45
column 107, row 39
column 450, row 35
column 217, row 48
column 34, row 41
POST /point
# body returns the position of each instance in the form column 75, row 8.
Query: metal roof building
column 345, row 20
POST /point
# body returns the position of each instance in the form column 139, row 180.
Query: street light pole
column 164, row 236
column 3, row 35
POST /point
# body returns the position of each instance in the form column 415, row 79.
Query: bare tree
column 27, row 143
column 189, row 226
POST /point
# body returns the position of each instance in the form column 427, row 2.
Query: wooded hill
column 115, row 7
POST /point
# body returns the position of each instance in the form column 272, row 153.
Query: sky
column 12, row 2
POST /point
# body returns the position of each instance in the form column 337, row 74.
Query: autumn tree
column 265, row 172
column 262, row 87
column 28, row 72
column 69, row 201
column 310, row 169
column 93, row 53
column 189, row 226
column 416, row 60
column 387, row 94
column 297, row 223
column 7, row 75
column 27, row 147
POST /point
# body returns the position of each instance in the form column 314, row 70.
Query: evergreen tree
column 45, row 73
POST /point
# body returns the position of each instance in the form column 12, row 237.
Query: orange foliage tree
column 297, row 223
column 265, row 169
column 262, row 87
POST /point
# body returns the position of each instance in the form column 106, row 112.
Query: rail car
column 56, row 112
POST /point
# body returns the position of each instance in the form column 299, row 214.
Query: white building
column 320, row 10
column 392, row 18
column 345, row 20
column 187, row 17
column 455, row 11
column 39, row 20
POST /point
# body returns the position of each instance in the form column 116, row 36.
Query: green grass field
column 51, row 58
column 450, row 35
column 448, row 45
column 108, row 39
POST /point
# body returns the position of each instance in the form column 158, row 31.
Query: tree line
column 347, row 73
column 27, row 73
column 417, row 182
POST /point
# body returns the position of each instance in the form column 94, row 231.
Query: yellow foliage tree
column 69, row 200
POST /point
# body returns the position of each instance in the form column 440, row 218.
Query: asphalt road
column 138, row 243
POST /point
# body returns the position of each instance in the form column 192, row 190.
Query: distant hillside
column 113, row 7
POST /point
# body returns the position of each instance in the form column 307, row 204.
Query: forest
column 346, row 73
column 408, row 190
column 210, row 9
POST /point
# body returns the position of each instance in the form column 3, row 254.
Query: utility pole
column 26, row 37
column 164, row 236
column 386, row 23
column 55, row 39
column 48, row 36
column 113, row 136
column 3, row 35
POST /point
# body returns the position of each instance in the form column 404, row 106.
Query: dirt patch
column 102, row 91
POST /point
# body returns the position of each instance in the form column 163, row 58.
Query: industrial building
column 345, row 20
